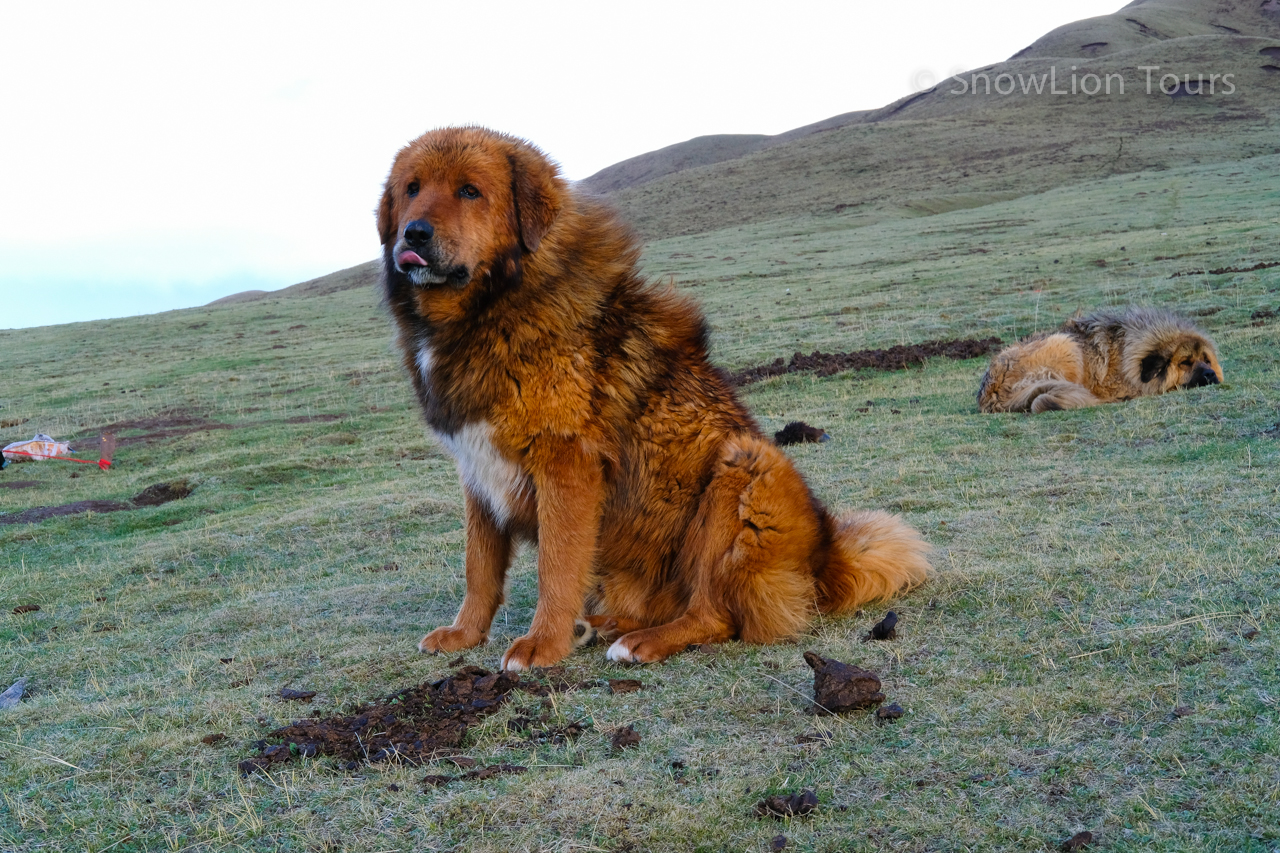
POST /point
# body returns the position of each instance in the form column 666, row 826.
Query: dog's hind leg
column 747, row 556
column 488, row 558
column 1050, row 395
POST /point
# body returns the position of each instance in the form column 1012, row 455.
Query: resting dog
column 584, row 415
column 1104, row 357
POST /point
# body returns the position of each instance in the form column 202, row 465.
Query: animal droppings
column 839, row 687
column 884, row 629
column 795, row 805
column 799, row 432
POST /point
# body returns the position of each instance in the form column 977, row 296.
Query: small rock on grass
column 795, row 805
column 1079, row 841
column 839, row 687
column 11, row 697
column 624, row 738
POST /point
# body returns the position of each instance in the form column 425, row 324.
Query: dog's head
column 1184, row 360
column 459, row 201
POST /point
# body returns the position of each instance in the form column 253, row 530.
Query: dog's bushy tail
column 1052, row 395
column 875, row 556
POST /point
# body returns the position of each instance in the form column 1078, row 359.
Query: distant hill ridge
column 935, row 151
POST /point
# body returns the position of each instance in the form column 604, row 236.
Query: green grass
column 1096, row 569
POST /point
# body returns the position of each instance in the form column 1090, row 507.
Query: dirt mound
column 162, row 493
column 414, row 726
column 154, row 495
column 170, row 424
column 44, row 513
column 1261, row 265
column 894, row 358
column 176, row 423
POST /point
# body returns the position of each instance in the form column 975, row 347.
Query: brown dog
column 1101, row 358
column 584, row 415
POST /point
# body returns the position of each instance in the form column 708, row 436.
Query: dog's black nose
column 1202, row 375
column 418, row 233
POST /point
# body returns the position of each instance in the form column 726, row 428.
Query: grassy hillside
column 1096, row 652
column 1083, row 102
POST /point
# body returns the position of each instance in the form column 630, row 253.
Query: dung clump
column 839, row 687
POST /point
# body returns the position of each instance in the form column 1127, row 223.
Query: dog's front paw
column 640, row 647
column 530, row 651
column 450, row 638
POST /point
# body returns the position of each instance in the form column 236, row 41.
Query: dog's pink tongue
column 408, row 257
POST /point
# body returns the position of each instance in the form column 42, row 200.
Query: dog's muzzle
column 413, row 254
column 1201, row 375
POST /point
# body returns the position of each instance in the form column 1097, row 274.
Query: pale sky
column 161, row 155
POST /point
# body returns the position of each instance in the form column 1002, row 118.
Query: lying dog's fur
column 1101, row 358
column 584, row 415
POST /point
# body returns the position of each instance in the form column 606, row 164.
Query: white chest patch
column 486, row 473
column 424, row 363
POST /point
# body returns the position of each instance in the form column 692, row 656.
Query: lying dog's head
column 1183, row 360
column 459, row 201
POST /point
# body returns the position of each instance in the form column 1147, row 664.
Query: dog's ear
column 386, row 219
column 537, row 188
column 1153, row 365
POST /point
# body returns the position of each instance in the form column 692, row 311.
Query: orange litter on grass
column 43, row 447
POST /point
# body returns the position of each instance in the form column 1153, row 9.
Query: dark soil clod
column 799, row 432
column 795, row 805
column 889, row 713
column 210, row 740
column 1079, row 841
column 560, row 735
column 894, row 358
column 839, row 687
column 814, row 737
column 155, row 495
column 480, row 774
column 884, row 629
column 162, row 493
column 26, row 608
column 624, row 737
column 779, row 842
column 44, row 513
column 412, row 726
column 288, row 694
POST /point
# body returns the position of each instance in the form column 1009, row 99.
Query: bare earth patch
column 894, row 358
column 417, row 725
column 154, row 495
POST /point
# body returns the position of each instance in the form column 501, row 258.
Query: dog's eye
column 469, row 191
column 412, row 189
